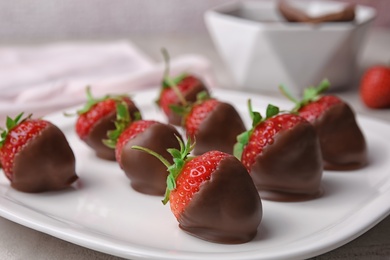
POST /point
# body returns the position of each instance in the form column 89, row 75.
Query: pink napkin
column 44, row 79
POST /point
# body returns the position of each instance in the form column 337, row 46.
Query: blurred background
column 29, row 21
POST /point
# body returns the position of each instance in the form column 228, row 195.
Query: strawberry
column 177, row 91
column 35, row 155
column 212, row 123
column 211, row 195
column 97, row 117
column 145, row 172
column 343, row 146
column 375, row 87
column 282, row 154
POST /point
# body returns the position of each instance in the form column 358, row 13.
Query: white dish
column 262, row 50
column 103, row 213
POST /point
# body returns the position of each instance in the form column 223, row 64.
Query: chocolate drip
column 146, row 173
column 227, row 209
column 189, row 96
column 291, row 168
column 46, row 163
column 343, row 145
column 219, row 130
column 99, row 133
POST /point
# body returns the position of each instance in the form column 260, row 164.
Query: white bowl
column 262, row 50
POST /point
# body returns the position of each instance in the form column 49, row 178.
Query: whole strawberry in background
column 375, row 87
column 177, row 91
column 97, row 117
column 35, row 155
column 212, row 123
column 146, row 173
column 282, row 155
column 211, row 195
column 343, row 145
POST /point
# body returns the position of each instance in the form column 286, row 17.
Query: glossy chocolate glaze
column 47, row 163
column 99, row 132
column 291, row 168
column 293, row 14
column 147, row 174
column 190, row 96
column 343, row 145
column 219, row 130
column 227, row 209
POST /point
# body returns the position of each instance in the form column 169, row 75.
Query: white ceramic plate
column 102, row 212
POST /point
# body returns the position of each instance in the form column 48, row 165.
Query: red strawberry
column 212, row 123
column 145, row 172
column 375, row 87
column 177, row 91
column 343, row 145
column 212, row 195
column 97, row 117
column 36, row 156
column 282, row 154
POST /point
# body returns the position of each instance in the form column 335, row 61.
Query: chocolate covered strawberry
column 35, row 155
column 343, row 145
column 282, row 155
column 97, row 117
column 212, row 123
column 211, row 195
column 177, row 91
column 145, row 172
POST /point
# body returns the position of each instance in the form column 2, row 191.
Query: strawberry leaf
column 10, row 124
column 310, row 94
column 122, row 121
column 243, row 138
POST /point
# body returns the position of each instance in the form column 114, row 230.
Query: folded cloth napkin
column 44, row 79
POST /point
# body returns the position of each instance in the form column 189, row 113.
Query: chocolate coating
column 190, row 96
column 343, row 145
column 291, row 168
column 147, row 174
column 47, row 163
column 99, row 132
column 293, row 14
column 219, row 130
column 227, row 209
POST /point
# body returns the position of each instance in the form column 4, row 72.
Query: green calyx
column 169, row 82
column 243, row 138
column 10, row 124
column 180, row 157
column 122, row 121
column 184, row 110
column 91, row 101
column 309, row 95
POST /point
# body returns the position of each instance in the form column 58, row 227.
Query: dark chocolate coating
column 46, row 163
column 343, row 145
column 147, row 174
column 291, row 168
column 189, row 96
column 219, row 130
column 99, row 132
column 227, row 209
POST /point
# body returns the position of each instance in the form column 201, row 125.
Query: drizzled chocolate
column 291, row 168
column 47, row 163
column 190, row 95
column 146, row 173
column 343, row 145
column 99, row 132
column 219, row 130
column 227, row 209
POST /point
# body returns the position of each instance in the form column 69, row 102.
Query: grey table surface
column 19, row 242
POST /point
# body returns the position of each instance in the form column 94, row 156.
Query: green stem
column 158, row 156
